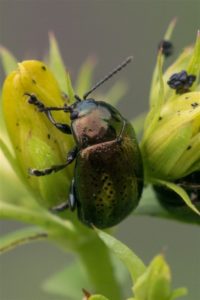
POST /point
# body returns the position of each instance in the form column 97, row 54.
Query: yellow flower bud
column 36, row 142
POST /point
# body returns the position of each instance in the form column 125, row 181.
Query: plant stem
column 96, row 259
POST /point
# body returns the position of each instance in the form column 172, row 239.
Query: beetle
column 108, row 174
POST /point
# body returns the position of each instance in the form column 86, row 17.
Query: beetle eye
column 74, row 115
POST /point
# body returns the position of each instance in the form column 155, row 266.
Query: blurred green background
column 110, row 30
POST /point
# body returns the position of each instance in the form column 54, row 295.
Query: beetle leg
column 70, row 158
column 65, row 128
column 120, row 136
column 70, row 204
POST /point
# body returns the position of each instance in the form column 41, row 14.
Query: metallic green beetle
column 108, row 176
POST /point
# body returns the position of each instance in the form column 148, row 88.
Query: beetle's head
column 82, row 108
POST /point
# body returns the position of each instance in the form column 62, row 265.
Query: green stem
column 96, row 259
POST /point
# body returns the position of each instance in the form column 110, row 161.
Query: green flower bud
column 172, row 150
column 171, row 141
column 36, row 143
column 155, row 282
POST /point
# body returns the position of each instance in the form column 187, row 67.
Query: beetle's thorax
column 95, row 122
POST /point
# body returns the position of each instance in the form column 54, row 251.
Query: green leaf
column 70, row 91
column 11, row 159
column 84, row 80
column 56, row 63
column 156, row 97
column 7, row 152
column 133, row 263
column 149, row 205
column 18, row 194
column 194, row 64
column 170, row 29
column 8, row 60
column 160, row 61
column 36, row 215
column 9, row 64
column 122, row 274
column 178, row 293
column 21, row 237
column 181, row 192
column 68, row 282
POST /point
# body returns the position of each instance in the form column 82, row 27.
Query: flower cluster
column 171, row 142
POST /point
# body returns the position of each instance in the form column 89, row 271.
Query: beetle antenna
column 116, row 70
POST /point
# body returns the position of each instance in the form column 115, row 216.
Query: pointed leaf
column 56, row 63
column 8, row 60
column 36, row 215
column 11, row 159
column 84, row 80
column 178, row 293
column 133, row 263
column 21, row 237
column 170, row 29
column 160, row 57
column 156, row 98
column 70, row 90
column 181, row 192
column 194, row 64
column 149, row 205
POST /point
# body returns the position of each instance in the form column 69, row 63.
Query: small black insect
column 167, row 48
column 181, row 82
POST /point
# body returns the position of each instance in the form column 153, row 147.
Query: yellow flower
column 36, row 142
